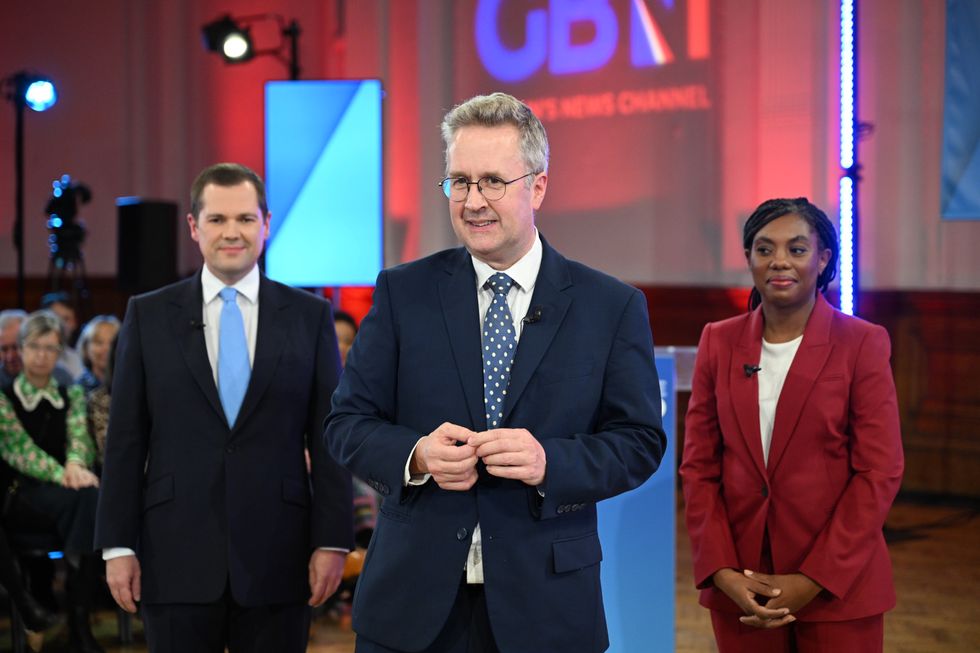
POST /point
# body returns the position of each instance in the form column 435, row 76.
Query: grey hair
column 89, row 331
column 495, row 110
column 11, row 315
column 41, row 323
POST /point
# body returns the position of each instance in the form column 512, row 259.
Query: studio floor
column 935, row 552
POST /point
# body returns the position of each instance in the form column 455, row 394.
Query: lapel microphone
column 197, row 325
column 533, row 316
column 750, row 369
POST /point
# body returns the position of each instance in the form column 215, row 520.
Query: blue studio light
column 847, row 156
column 40, row 94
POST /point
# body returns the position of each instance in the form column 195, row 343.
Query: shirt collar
column 247, row 285
column 524, row 272
column 30, row 396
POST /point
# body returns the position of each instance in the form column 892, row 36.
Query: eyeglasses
column 492, row 188
column 35, row 348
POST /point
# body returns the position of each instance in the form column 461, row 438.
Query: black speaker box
column 147, row 244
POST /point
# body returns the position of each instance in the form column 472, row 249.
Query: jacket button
column 229, row 449
column 765, row 491
column 461, row 534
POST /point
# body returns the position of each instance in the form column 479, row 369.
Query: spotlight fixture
column 226, row 37
column 231, row 37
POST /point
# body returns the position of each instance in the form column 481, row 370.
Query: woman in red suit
column 792, row 453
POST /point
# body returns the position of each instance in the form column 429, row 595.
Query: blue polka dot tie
column 499, row 344
column 234, row 369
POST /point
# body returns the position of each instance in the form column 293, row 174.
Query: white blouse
column 775, row 363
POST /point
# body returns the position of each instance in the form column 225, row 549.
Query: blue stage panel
column 637, row 534
column 324, row 182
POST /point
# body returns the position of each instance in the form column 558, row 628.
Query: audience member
column 93, row 346
column 43, row 438
column 10, row 364
column 59, row 304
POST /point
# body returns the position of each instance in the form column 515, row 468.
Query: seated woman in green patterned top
column 45, row 442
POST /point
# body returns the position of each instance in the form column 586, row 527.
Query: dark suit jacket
column 835, row 462
column 583, row 382
column 201, row 502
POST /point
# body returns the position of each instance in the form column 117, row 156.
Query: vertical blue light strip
column 847, row 153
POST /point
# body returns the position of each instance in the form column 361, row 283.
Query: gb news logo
column 552, row 37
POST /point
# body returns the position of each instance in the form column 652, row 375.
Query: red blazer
column 835, row 462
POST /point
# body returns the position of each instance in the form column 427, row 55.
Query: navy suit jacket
column 203, row 503
column 583, row 383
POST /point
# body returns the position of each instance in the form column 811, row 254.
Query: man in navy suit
column 495, row 393
column 207, row 513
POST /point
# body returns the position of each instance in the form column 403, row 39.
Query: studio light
column 25, row 89
column 40, row 95
column 31, row 90
column 231, row 38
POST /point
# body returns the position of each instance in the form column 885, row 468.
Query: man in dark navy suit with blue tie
column 494, row 395
column 207, row 513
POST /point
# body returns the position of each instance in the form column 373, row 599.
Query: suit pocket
column 158, row 491
column 576, row 553
column 295, row 492
column 569, row 371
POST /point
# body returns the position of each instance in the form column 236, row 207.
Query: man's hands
column 452, row 465
column 450, row 454
column 511, row 453
column 76, row 477
column 122, row 574
column 326, row 571
column 786, row 594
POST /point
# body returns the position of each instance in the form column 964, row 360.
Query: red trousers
column 858, row 635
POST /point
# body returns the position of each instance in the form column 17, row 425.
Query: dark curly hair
column 776, row 208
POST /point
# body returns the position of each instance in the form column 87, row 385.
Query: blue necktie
column 499, row 345
column 233, row 366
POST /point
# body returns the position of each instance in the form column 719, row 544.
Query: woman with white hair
column 45, row 442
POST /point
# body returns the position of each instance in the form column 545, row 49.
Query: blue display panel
column 637, row 534
column 960, row 182
column 323, row 173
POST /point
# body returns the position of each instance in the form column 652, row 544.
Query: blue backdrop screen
column 960, row 186
column 323, row 174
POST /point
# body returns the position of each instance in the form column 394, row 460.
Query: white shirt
column 248, row 303
column 525, row 274
column 774, row 363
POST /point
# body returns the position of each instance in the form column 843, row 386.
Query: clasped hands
column 786, row 594
column 507, row 453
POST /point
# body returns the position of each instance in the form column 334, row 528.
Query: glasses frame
column 447, row 188
column 47, row 350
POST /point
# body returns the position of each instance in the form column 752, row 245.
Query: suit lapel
column 809, row 360
column 553, row 279
column 745, row 389
column 457, row 293
column 186, row 322
column 269, row 341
